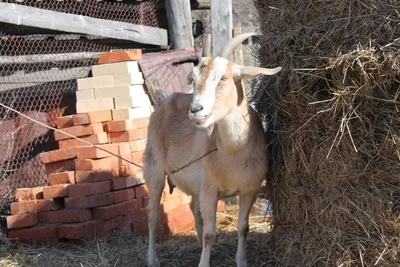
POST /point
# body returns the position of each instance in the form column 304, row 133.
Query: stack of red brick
column 91, row 192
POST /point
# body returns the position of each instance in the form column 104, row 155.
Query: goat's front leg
column 208, row 206
column 155, row 181
column 195, row 207
column 245, row 203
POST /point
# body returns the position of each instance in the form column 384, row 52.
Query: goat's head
column 216, row 84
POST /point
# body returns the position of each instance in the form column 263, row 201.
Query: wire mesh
column 37, row 73
column 144, row 13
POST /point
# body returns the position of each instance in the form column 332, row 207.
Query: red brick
column 23, row 194
column 126, row 125
column 171, row 204
column 118, row 56
column 60, row 166
column 220, row 206
column 137, row 156
column 89, row 202
column 63, row 122
column 145, row 201
column 92, row 117
column 112, row 211
column 104, row 226
column 65, row 216
column 97, row 164
column 138, row 145
column 77, row 230
column 131, row 181
column 127, row 158
column 37, row 192
column 35, row 206
column 124, row 195
column 141, row 191
column 81, row 130
column 22, row 220
column 54, row 191
column 88, row 189
column 90, row 152
column 95, row 139
column 95, row 176
column 58, row 155
column 118, row 183
column 126, row 136
column 62, row 178
column 124, row 148
column 128, row 170
column 35, row 233
column 134, row 216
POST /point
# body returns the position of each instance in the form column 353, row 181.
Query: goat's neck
column 234, row 129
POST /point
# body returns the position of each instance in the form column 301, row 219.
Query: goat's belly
column 239, row 178
column 187, row 181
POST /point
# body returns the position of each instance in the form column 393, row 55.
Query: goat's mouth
column 199, row 120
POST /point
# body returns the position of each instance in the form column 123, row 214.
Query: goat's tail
column 153, row 86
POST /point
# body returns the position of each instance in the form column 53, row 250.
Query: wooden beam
column 179, row 23
column 221, row 22
column 21, row 79
column 47, row 19
column 47, row 58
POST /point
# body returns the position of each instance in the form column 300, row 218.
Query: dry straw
column 333, row 116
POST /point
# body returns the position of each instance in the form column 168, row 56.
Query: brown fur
column 237, row 167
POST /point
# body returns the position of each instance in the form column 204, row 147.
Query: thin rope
column 193, row 161
column 102, row 149
column 70, row 135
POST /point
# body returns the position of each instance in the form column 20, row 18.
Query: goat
column 215, row 121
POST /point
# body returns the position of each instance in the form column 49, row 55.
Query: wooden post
column 179, row 23
column 221, row 22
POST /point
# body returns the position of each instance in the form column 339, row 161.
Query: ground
column 129, row 250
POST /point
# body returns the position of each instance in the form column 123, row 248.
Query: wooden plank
column 47, row 58
column 41, row 18
column 221, row 21
column 21, row 79
column 179, row 23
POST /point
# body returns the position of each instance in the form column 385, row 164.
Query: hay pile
column 334, row 130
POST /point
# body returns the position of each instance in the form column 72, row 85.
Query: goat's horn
column 206, row 46
column 228, row 49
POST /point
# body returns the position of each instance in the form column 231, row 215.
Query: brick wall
column 92, row 193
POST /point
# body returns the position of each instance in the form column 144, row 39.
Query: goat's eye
column 224, row 78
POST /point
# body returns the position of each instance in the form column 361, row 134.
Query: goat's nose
column 195, row 108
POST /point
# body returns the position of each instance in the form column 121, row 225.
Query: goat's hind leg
column 245, row 204
column 155, row 181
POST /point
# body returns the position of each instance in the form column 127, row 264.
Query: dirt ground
column 129, row 250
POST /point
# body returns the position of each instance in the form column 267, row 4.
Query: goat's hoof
column 153, row 264
column 152, row 260
column 241, row 262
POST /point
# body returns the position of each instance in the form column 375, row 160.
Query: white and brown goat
column 185, row 127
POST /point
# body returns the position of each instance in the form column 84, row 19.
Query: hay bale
column 334, row 130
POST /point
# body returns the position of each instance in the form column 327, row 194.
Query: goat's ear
column 243, row 71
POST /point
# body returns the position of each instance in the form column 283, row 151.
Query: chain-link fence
column 38, row 78
column 144, row 13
